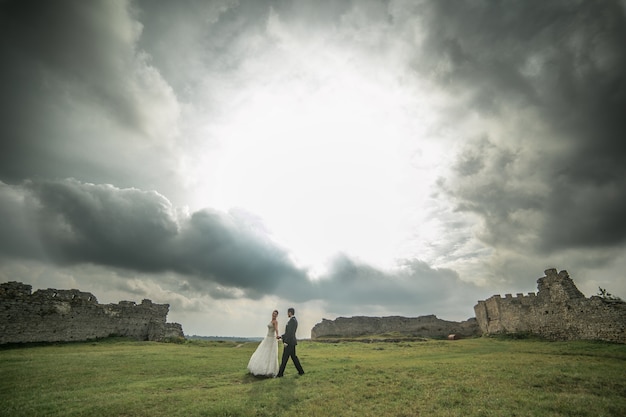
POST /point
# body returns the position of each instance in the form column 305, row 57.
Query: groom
column 289, row 339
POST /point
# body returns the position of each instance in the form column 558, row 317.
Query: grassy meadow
column 471, row 377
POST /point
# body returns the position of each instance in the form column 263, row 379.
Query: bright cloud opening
column 327, row 157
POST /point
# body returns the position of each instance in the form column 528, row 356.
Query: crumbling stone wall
column 423, row 326
column 71, row 315
column 559, row 311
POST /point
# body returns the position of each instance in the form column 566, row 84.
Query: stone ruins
column 70, row 315
column 559, row 311
column 423, row 326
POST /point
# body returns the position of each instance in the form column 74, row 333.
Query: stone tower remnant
column 559, row 311
column 71, row 315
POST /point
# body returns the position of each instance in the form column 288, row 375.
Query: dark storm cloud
column 560, row 68
column 74, row 223
column 103, row 224
column 71, row 72
column 18, row 237
column 233, row 254
column 352, row 285
column 71, row 42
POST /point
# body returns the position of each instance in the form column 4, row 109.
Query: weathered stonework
column 559, row 311
column 71, row 315
column 423, row 326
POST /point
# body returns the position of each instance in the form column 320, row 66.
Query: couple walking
column 264, row 360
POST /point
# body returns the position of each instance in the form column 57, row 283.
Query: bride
column 264, row 360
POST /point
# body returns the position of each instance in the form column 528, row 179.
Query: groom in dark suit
column 290, row 342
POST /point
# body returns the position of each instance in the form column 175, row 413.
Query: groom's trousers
column 290, row 352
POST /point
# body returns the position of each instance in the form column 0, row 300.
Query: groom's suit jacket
column 290, row 332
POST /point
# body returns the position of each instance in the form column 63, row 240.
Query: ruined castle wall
column 424, row 326
column 559, row 311
column 592, row 319
column 504, row 313
column 70, row 315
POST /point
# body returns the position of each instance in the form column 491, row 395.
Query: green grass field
column 472, row 377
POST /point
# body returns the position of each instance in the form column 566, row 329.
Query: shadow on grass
column 271, row 395
column 250, row 379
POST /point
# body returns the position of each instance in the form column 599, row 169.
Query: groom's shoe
column 279, row 376
column 301, row 373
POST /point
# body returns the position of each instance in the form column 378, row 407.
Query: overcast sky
column 342, row 157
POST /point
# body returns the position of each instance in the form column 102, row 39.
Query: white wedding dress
column 264, row 360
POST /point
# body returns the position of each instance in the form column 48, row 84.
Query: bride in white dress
column 264, row 360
